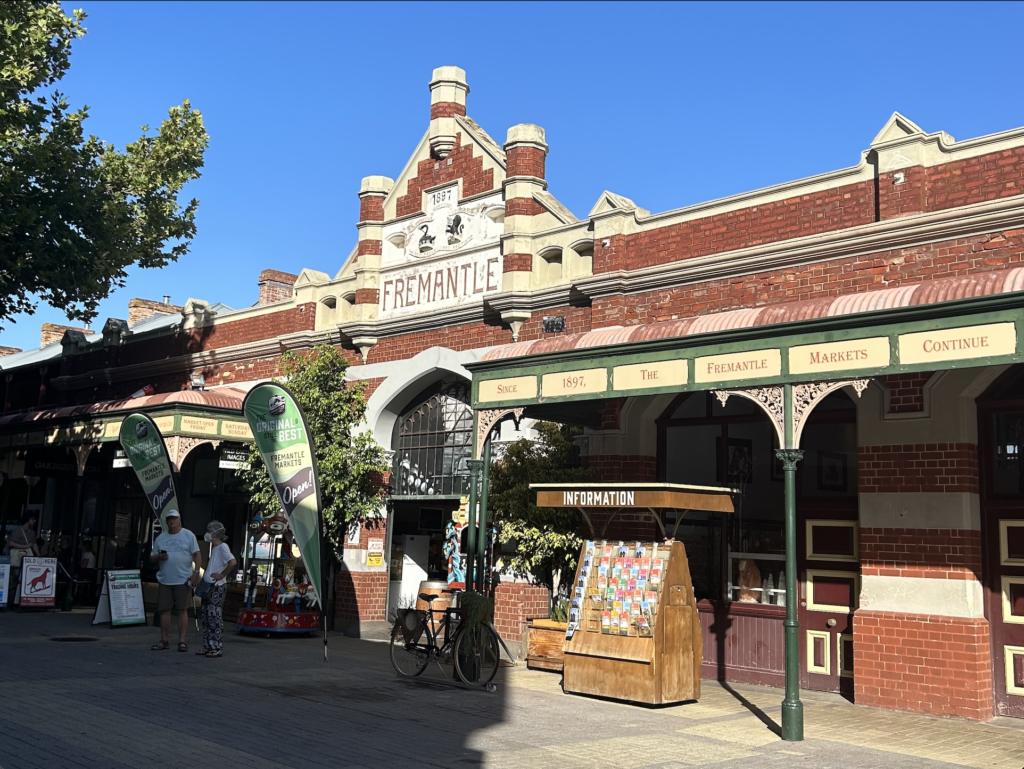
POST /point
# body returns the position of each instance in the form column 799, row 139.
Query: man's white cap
column 171, row 514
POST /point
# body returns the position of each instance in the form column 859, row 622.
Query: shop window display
column 703, row 442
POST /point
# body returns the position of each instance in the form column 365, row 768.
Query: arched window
column 434, row 441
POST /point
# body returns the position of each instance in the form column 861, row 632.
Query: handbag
column 202, row 590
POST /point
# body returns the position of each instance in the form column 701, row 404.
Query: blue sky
column 667, row 104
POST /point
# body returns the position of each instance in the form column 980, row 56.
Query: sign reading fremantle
column 982, row 342
column 144, row 445
column 446, row 258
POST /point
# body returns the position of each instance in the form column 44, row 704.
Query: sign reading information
column 754, row 364
column 958, row 343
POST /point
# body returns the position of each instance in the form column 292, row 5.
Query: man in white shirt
column 177, row 552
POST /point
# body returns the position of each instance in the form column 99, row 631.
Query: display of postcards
column 613, row 622
column 634, row 572
column 627, row 563
column 589, row 546
column 658, row 563
column 609, row 593
column 571, row 630
column 623, row 549
column 637, row 547
column 624, row 623
column 606, row 551
column 602, row 582
column 574, row 616
column 616, row 571
column 576, row 602
column 578, row 592
column 643, row 628
column 586, row 560
column 655, row 577
column 602, row 570
column 645, row 563
column 642, row 574
column 606, row 622
column 605, row 561
column 617, row 605
column 597, row 600
column 582, row 580
column 641, row 585
column 637, row 596
column 619, row 563
column 652, row 601
column 631, row 585
column 634, row 609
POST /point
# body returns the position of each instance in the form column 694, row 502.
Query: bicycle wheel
column 410, row 645
column 477, row 655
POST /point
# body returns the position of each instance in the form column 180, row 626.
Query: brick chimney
column 52, row 332
column 4, row 351
column 276, row 286
column 140, row 309
column 448, row 90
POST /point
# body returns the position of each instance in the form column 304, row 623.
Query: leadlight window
column 434, row 442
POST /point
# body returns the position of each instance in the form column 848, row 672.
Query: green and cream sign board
column 284, row 442
column 144, row 445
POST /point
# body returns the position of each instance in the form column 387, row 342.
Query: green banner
column 279, row 426
column 142, row 442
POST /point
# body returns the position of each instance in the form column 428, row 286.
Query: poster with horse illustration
column 38, row 582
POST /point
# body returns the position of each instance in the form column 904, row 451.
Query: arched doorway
column 1001, row 455
column 739, row 575
column 433, row 441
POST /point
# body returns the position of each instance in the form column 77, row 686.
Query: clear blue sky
column 667, row 104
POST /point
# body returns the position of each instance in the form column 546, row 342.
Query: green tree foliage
column 351, row 465
column 546, row 539
column 75, row 212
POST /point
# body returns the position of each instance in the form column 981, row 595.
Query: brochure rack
column 648, row 653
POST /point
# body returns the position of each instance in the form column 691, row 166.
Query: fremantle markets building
column 871, row 318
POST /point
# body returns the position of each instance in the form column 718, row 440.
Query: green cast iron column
column 792, row 708
column 481, row 542
column 474, row 480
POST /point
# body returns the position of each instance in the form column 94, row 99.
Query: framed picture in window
column 832, row 475
column 738, row 459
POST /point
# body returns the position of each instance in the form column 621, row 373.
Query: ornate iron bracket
column 488, row 419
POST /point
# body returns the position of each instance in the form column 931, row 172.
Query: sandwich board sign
column 121, row 603
column 38, row 581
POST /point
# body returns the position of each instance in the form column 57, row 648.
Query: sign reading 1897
column 441, row 197
column 592, row 380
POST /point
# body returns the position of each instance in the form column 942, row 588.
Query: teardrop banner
column 283, row 439
column 147, row 453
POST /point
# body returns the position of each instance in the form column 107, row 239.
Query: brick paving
column 269, row 704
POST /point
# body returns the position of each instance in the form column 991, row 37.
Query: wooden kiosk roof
column 648, row 496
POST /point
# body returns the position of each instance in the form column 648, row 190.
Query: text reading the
column 666, row 373
column 958, row 343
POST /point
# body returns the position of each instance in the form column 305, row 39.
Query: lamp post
column 475, row 466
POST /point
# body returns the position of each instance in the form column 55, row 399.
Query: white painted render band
column 919, row 595
column 924, row 510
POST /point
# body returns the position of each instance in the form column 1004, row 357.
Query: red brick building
column 898, row 280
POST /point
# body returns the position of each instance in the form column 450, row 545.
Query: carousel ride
column 291, row 603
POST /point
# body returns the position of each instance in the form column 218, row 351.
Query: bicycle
column 475, row 651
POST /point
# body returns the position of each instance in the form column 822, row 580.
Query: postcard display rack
column 634, row 633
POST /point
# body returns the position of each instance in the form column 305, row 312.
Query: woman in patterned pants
column 221, row 563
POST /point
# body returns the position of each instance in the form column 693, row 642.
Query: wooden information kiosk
column 634, row 632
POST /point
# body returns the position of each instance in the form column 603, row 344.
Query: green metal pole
column 474, row 478
column 69, row 597
column 792, row 708
column 481, row 542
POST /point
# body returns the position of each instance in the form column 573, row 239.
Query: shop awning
column 215, row 414
column 957, row 322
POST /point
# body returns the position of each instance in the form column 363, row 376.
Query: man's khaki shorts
column 173, row 595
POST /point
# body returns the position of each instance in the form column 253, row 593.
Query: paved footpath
column 112, row 703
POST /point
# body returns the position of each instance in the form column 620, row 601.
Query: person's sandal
column 183, row 647
column 160, row 646
column 202, row 652
column 215, row 653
